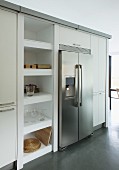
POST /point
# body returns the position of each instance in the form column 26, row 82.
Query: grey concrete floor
column 100, row 152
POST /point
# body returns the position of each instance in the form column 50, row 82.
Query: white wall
column 101, row 15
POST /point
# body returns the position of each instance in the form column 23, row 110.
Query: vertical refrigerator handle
column 80, row 84
column 76, row 85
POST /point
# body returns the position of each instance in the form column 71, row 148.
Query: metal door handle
column 7, row 110
column 5, row 104
column 76, row 85
column 80, row 84
column 78, row 45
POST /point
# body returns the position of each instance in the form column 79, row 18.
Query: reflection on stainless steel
column 75, row 97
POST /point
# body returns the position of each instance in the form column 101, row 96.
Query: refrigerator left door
column 8, row 46
column 7, row 135
column 68, row 110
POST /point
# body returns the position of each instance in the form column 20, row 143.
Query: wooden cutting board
column 43, row 66
column 44, row 135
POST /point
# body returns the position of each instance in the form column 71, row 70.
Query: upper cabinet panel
column 74, row 37
column 102, row 63
column 8, row 53
column 99, row 52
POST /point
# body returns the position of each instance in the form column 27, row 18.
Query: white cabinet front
column 8, row 33
column 98, row 108
column 7, row 135
column 102, row 64
column 99, row 51
column 101, row 108
column 73, row 37
column 7, row 57
column 95, row 109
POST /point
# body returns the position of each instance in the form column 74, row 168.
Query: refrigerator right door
column 85, row 95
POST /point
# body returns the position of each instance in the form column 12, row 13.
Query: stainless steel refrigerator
column 75, row 94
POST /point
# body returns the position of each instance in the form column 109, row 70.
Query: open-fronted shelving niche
column 38, row 30
column 38, row 56
column 37, row 116
column 40, row 152
column 44, row 108
column 38, row 109
column 44, row 83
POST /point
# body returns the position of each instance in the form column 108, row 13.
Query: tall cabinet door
column 102, row 64
column 7, row 57
column 94, row 51
column 8, row 21
column 99, row 50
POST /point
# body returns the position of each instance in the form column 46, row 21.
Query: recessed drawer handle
column 4, row 104
column 7, row 110
column 76, row 44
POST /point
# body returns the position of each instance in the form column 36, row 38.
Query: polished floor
column 100, row 152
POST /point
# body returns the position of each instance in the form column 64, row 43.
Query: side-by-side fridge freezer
column 75, row 95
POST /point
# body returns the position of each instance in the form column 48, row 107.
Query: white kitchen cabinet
column 98, row 108
column 95, row 53
column 101, row 108
column 102, row 64
column 8, row 120
column 8, row 135
column 95, row 109
column 74, row 37
column 8, row 48
column 99, row 52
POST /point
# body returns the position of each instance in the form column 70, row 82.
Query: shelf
column 37, row 44
column 40, row 152
column 37, row 72
column 36, row 124
column 37, row 98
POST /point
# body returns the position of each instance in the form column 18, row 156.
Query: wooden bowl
column 31, row 145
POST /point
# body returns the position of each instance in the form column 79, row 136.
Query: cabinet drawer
column 73, row 37
column 7, row 135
